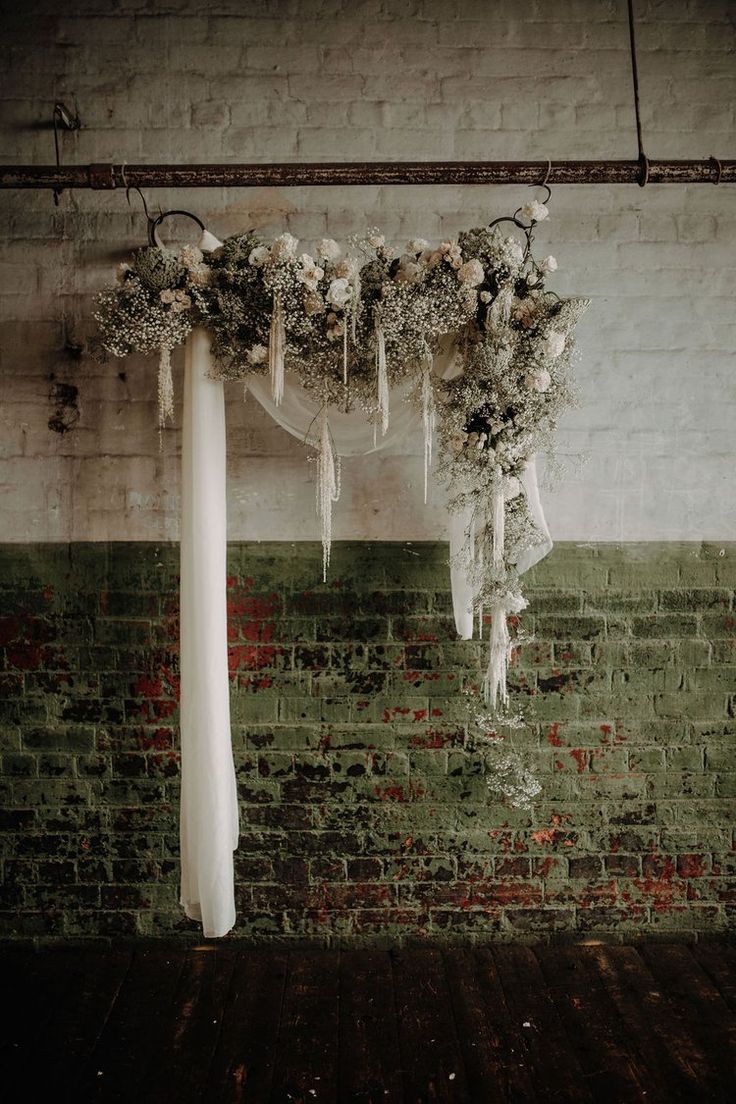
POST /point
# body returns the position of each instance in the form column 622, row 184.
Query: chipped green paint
column 364, row 819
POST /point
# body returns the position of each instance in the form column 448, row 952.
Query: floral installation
column 352, row 323
column 157, row 299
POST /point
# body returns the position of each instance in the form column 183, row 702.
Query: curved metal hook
column 134, row 188
column 154, row 224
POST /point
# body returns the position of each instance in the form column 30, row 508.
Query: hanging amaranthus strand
column 328, row 488
column 165, row 387
column 277, row 350
column 382, row 377
column 345, row 352
column 429, row 416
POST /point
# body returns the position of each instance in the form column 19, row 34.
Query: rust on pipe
column 289, row 175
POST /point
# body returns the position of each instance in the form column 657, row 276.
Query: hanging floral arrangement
column 352, row 324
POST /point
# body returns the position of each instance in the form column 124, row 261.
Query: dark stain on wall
column 365, row 817
column 63, row 399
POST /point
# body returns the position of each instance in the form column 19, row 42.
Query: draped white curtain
column 209, row 805
column 209, row 810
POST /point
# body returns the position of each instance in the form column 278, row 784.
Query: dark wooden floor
column 655, row 1023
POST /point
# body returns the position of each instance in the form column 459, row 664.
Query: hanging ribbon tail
column 459, row 524
column 277, row 350
column 499, row 519
column 354, row 311
column 345, row 350
column 328, row 489
column 530, row 556
column 429, row 416
column 495, row 690
column 382, row 378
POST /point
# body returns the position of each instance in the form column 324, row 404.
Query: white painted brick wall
column 376, row 79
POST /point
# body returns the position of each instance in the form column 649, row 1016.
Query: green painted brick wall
column 364, row 817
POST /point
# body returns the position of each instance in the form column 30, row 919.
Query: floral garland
column 352, row 325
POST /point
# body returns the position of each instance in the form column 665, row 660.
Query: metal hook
column 718, row 168
column 70, row 121
column 154, row 224
column 134, row 188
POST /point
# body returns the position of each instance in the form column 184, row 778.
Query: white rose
column 548, row 264
column 257, row 355
column 259, row 256
column 485, row 297
column 328, row 249
column 534, row 211
column 339, row 294
column 471, row 273
column 284, row 247
column 376, row 240
column 554, row 344
column 310, row 273
column 538, row 380
column 416, row 245
column 167, row 295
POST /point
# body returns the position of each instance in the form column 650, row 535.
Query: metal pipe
column 110, row 176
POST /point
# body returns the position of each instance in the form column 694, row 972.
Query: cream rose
column 547, row 265
column 538, row 380
column 534, row 211
column 284, row 247
column 261, row 255
column 328, row 249
column 471, row 273
column 310, row 273
column 554, row 344
column 339, row 294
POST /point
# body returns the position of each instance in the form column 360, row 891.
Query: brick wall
column 179, row 80
column 364, row 818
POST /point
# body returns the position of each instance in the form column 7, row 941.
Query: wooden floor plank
column 493, row 1063
column 307, row 1046
column 700, row 1007
column 655, row 1024
column 132, row 1039
column 556, row 1070
column 680, row 1064
column 719, row 962
column 431, row 1058
column 192, row 1027
column 243, row 1063
column 612, row 1067
column 369, row 1058
column 74, row 1029
column 35, row 986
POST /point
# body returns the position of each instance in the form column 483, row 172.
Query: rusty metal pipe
column 111, row 176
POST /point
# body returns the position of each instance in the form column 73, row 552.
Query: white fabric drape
column 209, row 807
column 298, row 414
column 460, row 523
